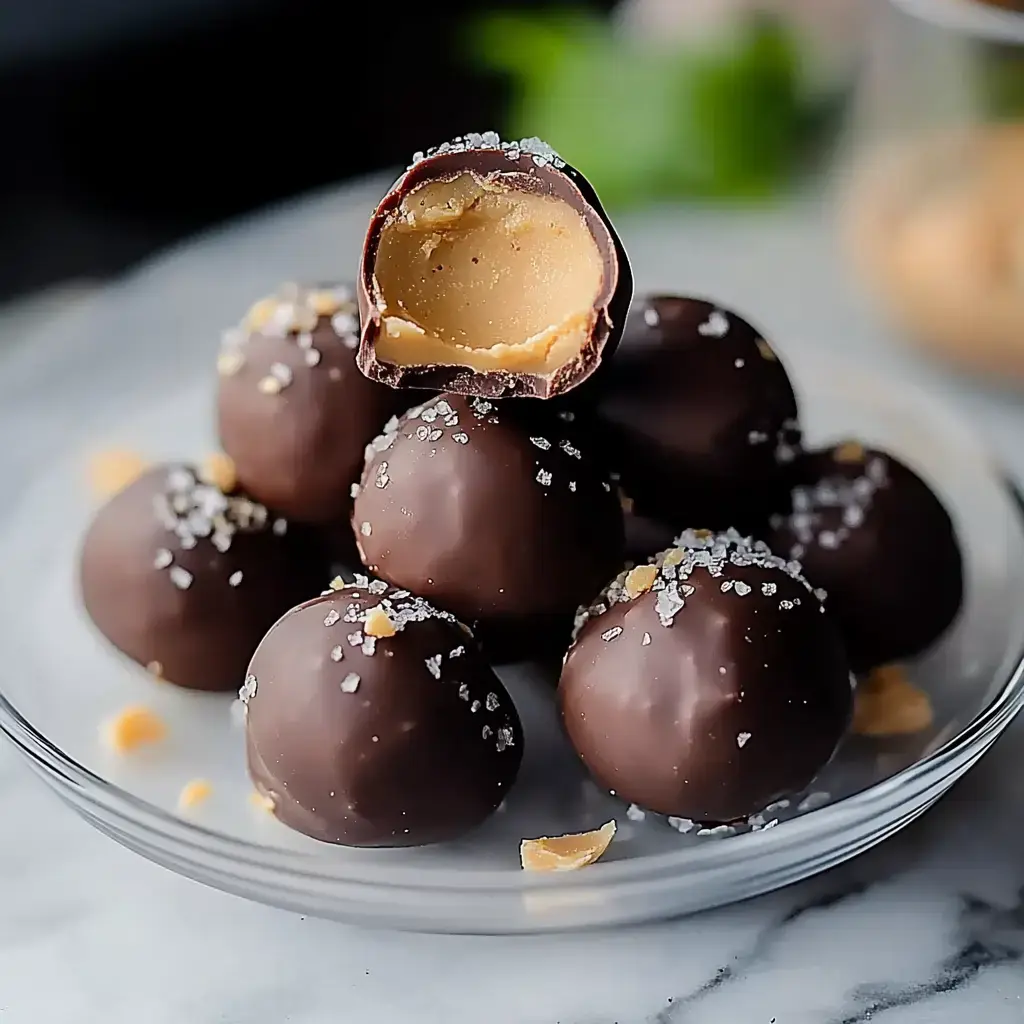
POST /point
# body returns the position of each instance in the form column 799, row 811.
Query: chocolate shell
column 708, row 684
column 698, row 415
column 490, row 269
column 294, row 412
column 504, row 520
column 372, row 720
column 874, row 536
column 185, row 579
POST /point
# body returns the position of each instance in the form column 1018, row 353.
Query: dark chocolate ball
column 294, row 412
column 490, row 269
column 185, row 579
column 698, row 415
column 499, row 519
column 708, row 684
column 874, row 536
column 372, row 720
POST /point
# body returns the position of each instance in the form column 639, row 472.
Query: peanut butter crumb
column 888, row 704
column 324, row 302
column 260, row 313
column 229, row 363
column 111, row 472
column 262, row 801
column 640, row 580
column 673, row 557
column 566, row 853
column 219, row 469
column 850, row 452
column 134, row 727
column 194, row 793
column 378, row 624
column 337, row 583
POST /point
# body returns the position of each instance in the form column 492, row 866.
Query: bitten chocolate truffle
column 698, row 415
column 872, row 533
column 293, row 410
column 707, row 684
column 490, row 269
column 504, row 521
column 186, row 579
column 372, row 720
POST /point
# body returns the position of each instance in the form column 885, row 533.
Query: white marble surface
column 927, row 929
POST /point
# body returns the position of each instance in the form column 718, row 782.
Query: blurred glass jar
column 934, row 209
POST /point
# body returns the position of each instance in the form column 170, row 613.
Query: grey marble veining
column 926, row 929
column 923, row 929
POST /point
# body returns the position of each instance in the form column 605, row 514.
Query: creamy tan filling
column 475, row 272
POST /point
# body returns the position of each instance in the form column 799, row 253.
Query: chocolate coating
column 496, row 518
column 293, row 410
column 698, row 415
column 530, row 166
column 400, row 741
column 870, row 531
column 717, row 691
column 186, row 580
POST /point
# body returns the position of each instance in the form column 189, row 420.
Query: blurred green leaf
column 648, row 122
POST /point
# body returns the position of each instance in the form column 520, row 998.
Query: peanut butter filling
column 476, row 272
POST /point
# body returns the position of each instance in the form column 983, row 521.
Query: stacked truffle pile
column 473, row 439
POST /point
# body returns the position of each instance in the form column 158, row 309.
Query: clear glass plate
column 59, row 682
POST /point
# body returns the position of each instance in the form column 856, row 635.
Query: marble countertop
column 926, row 929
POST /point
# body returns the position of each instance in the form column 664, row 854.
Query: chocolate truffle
column 490, row 269
column 872, row 533
column 499, row 519
column 372, row 720
column 186, row 579
column 707, row 684
column 293, row 410
column 698, row 415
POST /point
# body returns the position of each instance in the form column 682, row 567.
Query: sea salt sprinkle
column 540, row 152
column 716, row 325
column 248, row 690
column 695, row 552
column 816, row 504
column 195, row 511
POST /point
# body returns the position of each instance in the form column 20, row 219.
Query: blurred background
column 130, row 125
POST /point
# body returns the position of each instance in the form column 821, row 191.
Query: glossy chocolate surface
column 394, row 740
column 293, row 410
column 717, row 690
column 185, row 580
column 870, row 531
column 492, row 516
column 698, row 415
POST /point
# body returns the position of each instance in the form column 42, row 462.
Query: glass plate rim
column 66, row 772
column 146, row 817
column 197, row 842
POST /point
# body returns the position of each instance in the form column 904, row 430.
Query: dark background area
column 128, row 124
